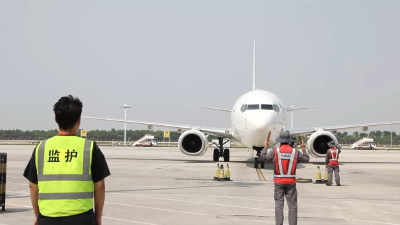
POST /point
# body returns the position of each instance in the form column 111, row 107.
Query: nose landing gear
column 257, row 159
column 220, row 152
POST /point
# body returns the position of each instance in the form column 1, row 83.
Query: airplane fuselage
column 255, row 114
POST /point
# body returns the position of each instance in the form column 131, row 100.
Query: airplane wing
column 220, row 132
column 304, row 131
column 229, row 110
column 219, row 109
column 300, row 108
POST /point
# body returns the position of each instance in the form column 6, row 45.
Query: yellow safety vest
column 63, row 166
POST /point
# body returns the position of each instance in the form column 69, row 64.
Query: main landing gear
column 257, row 159
column 220, row 152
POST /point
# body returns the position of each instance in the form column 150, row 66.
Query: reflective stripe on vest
column 63, row 165
column 333, row 158
column 289, row 156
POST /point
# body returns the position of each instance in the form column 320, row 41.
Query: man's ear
column 79, row 122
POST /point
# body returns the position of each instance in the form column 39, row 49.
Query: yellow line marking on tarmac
column 260, row 175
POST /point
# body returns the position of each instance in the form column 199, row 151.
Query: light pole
column 125, row 106
column 391, row 133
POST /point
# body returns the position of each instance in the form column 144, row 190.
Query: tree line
column 380, row 137
column 96, row 135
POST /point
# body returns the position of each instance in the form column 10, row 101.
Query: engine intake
column 317, row 144
column 193, row 142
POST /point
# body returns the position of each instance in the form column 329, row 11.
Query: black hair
column 67, row 110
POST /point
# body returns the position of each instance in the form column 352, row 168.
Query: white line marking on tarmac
column 145, row 207
column 143, row 196
column 206, row 203
column 18, row 191
column 16, row 183
column 367, row 221
column 129, row 221
column 177, row 211
column 251, row 199
column 228, row 197
column 20, row 205
column 16, row 177
column 371, row 203
column 261, row 221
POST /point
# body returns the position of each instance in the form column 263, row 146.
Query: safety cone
column 326, row 176
column 221, row 172
column 216, row 173
column 318, row 180
column 227, row 173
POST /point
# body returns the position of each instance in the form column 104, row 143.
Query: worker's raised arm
column 265, row 155
column 303, row 157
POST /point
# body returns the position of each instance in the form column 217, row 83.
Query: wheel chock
column 303, row 180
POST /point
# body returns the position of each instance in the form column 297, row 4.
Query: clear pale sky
column 161, row 56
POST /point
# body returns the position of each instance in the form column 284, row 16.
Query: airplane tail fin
column 254, row 66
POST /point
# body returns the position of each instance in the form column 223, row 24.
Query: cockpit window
column 281, row 108
column 267, row 107
column 243, row 108
column 276, row 108
column 253, row 107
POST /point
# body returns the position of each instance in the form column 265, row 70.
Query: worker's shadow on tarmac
column 211, row 184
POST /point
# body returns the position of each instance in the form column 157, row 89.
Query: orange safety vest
column 285, row 165
column 333, row 157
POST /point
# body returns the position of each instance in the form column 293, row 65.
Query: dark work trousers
column 337, row 177
column 290, row 191
column 87, row 218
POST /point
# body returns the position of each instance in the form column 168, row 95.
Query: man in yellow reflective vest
column 66, row 173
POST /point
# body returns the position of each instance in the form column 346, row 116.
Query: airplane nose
column 262, row 124
column 259, row 128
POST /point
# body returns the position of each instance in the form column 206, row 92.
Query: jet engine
column 317, row 144
column 193, row 142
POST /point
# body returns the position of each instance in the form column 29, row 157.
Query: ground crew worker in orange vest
column 285, row 159
column 332, row 163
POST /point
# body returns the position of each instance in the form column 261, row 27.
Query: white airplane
column 253, row 116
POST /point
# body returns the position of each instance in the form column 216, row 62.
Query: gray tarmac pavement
column 161, row 186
